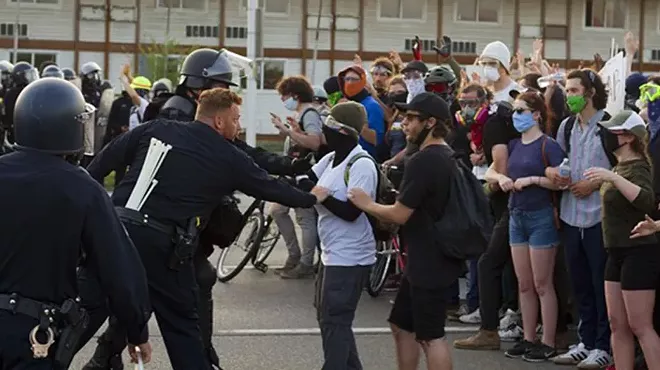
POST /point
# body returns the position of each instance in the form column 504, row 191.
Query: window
column 268, row 76
column 427, row 45
column 7, row 29
column 486, row 11
column 39, row 2
column 464, row 47
column 202, row 31
column 182, row 4
column 655, row 55
column 33, row 58
column 605, row 13
column 402, row 9
column 555, row 32
column 236, row 32
column 270, row 6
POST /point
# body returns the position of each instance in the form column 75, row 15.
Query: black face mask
column 398, row 97
column 339, row 143
column 610, row 140
column 422, row 135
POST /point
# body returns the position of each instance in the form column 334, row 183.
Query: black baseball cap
column 429, row 104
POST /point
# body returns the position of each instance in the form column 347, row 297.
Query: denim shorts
column 534, row 228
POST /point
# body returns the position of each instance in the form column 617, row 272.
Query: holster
column 74, row 322
column 185, row 243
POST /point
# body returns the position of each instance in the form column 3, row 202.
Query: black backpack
column 570, row 123
column 465, row 228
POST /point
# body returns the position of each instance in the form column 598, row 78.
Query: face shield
column 31, row 75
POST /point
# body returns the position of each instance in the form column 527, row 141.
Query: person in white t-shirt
column 138, row 89
column 495, row 62
column 348, row 246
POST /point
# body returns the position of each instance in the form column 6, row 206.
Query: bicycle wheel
column 378, row 273
column 267, row 243
column 228, row 267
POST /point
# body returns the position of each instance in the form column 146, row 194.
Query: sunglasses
column 335, row 125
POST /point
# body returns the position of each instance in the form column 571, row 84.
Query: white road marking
column 317, row 331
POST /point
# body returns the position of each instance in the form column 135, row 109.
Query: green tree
column 163, row 60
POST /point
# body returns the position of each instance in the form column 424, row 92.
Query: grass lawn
column 272, row 146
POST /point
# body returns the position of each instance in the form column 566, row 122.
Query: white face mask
column 490, row 73
column 415, row 87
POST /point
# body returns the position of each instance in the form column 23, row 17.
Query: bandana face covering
column 415, row 87
column 352, row 88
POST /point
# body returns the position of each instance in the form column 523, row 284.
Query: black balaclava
column 340, row 143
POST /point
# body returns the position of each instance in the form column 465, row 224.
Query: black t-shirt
column 425, row 188
column 497, row 131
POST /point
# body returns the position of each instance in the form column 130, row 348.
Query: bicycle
column 386, row 250
column 257, row 244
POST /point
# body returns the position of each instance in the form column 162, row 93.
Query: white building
column 113, row 32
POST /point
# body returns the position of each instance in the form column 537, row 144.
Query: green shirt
column 620, row 215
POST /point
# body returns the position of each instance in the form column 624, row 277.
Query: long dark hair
column 536, row 103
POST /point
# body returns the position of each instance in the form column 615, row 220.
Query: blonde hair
column 212, row 101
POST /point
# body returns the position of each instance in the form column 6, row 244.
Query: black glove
column 445, row 47
column 300, row 166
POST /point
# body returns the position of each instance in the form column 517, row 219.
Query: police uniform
column 43, row 240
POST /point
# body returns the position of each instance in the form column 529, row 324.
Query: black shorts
column 636, row 268
column 420, row 310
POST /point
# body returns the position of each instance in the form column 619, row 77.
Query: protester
column 418, row 314
column 347, row 241
column 413, row 75
column 532, row 232
column 382, row 71
column 353, row 81
column 580, row 213
column 494, row 61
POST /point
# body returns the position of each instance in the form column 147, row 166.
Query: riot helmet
column 441, row 81
column 24, row 74
column 69, row 74
column 52, row 71
column 206, row 68
column 6, row 69
column 90, row 74
column 162, row 86
column 49, row 116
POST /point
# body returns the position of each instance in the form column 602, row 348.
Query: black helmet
column 441, row 81
column 6, row 69
column 69, row 74
column 52, row 71
column 204, row 66
column 24, row 73
column 49, row 117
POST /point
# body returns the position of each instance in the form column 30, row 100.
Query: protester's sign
column 614, row 78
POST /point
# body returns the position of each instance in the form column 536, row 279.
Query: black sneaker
column 520, row 349
column 540, row 353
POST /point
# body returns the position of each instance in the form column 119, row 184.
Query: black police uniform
column 192, row 182
column 43, row 240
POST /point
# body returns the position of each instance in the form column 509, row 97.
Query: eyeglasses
column 351, row 79
column 333, row 124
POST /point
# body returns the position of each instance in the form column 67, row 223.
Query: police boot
column 105, row 357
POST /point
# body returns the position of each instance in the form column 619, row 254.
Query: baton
column 140, row 364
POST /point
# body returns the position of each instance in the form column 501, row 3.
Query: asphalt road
column 263, row 322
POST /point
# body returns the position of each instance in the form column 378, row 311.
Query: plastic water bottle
column 565, row 168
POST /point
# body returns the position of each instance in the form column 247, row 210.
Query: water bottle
column 565, row 168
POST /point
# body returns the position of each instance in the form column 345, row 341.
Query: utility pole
column 316, row 40
column 166, row 56
column 17, row 30
column 251, row 94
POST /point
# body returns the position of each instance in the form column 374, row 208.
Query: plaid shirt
column 586, row 152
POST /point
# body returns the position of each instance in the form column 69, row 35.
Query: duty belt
column 138, row 218
column 26, row 306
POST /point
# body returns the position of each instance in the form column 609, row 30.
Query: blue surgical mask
column 291, row 104
column 523, row 121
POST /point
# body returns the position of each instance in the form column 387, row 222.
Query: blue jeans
column 586, row 258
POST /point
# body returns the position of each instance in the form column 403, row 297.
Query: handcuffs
column 40, row 350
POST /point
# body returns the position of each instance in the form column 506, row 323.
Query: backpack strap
column 300, row 120
column 355, row 159
column 610, row 156
column 568, row 130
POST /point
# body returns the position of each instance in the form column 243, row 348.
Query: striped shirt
column 586, row 152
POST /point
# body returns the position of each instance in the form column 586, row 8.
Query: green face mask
column 576, row 103
column 334, row 98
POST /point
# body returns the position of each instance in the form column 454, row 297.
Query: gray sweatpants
column 306, row 219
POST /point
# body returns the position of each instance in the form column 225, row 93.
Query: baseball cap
column 319, row 93
column 517, row 91
column 429, row 104
column 415, row 65
column 626, row 120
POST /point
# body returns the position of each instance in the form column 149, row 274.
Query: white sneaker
column 598, row 359
column 473, row 318
column 512, row 334
column 510, row 318
column 575, row 355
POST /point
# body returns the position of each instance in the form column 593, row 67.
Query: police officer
column 52, row 71
column 42, row 306
column 90, row 76
column 6, row 69
column 22, row 75
column 192, row 182
column 69, row 74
